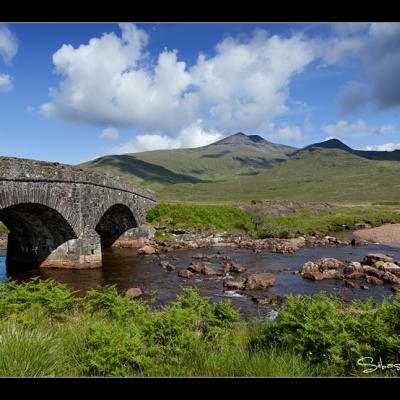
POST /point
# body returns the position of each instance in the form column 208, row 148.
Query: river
column 126, row 269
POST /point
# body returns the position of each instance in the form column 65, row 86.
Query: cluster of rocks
column 272, row 245
column 375, row 269
column 242, row 281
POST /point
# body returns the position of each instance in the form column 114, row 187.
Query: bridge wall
column 52, row 211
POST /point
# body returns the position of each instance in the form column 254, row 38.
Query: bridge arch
column 114, row 223
column 37, row 233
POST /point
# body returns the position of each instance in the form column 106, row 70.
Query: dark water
column 124, row 268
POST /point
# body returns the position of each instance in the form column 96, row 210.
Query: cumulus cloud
column 192, row 136
column 384, row 147
column 8, row 44
column 110, row 133
column 5, row 83
column 111, row 80
column 360, row 127
column 378, row 49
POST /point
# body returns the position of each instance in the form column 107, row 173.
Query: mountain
column 246, row 167
column 253, row 142
column 234, row 156
column 337, row 144
column 328, row 144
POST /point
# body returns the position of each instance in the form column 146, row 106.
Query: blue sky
column 73, row 92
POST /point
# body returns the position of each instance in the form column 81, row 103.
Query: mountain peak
column 330, row 144
column 251, row 142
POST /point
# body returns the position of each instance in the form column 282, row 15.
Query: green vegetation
column 335, row 336
column 211, row 175
column 254, row 222
column 45, row 330
column 221, row 218
column 3, row 229
column 305, row 222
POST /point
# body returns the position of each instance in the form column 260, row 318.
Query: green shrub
column 107, row 300
column 335, row 336
column 112, row 349
column 55, row 297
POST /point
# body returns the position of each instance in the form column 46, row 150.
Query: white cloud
column 8, row 50
column 384, row 147
column 110, row 133
column 290, row 132
column 8, row 44
column 111, row 80
column 376, row 46
column 192, row 136
column 360, row 127
column 5, row 83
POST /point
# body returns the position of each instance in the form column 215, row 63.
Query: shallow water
column 125, row 269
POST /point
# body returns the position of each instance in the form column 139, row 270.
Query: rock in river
column 260, row 281
column 235, row 284
column 238, row 268
column 208, row 271
column 185, row 274
column 371, row 259
column 134, row 292
column 146, row 250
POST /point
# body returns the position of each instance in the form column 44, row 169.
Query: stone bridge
column 62, row 216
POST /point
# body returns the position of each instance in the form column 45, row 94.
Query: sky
column 73, row 92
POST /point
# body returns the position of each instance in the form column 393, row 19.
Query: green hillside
column 244, row 167
column 235, row 156
column 318, row 175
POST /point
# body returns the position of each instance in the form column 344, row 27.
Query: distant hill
column 369, row 154
column 235, row 155
column 245, row 167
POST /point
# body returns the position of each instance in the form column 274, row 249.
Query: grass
column 256, row 221
column 109, row 334
column 322, row 175
column 220, row 218
column 191, row 175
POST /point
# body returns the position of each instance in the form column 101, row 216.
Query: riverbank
column 269, row 219
column 47, row 331
column 385, row 234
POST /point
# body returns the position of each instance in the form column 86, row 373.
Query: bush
column 335, row 336
column 108, row 301
column 112, row 349
column 55, row 297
